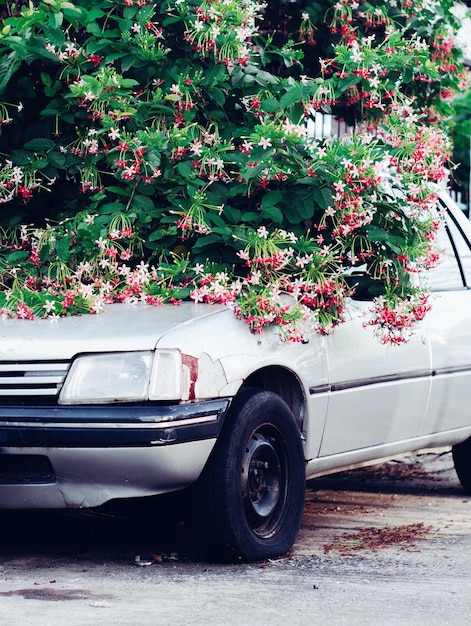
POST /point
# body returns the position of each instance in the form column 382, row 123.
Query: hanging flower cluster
column 395, row 324
column 223, row 28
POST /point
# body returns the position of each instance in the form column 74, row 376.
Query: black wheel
column 251, row 494
column 462, row 460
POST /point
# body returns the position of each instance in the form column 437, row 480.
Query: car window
column 462, row 248
column 454, row 269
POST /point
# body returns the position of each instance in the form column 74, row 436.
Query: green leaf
column 270, row 105
column 265, row 78
column 14, row 257
column 39, row 144
column 127, row 83
column 142, row 203
column 63, row 249
column 324, row 197
column 21, row 157
column 273, row 213
column 120, row 191
column 8, row 67
column 112, row 207
column 185, row 169
column 250, row 216
column 271, row 198
column 218, row 96
column 57, row 159
column 156, row 235
column 233, row 215
column 215, row 75
column 205, row 240
column 253, row 172
column 305, row 207
column 94, row 14
column 46, row 79
column 56, row 19
column 290, row 97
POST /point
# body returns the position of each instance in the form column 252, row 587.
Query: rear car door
column 449, row 324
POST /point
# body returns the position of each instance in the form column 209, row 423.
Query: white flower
column 86, row 291
column 197, row 148
column 265, row 142
column 374, row 82
column 114, row 134
column 357, row 55
column 304, row 260
column 175, row 89
column 98, row 306
column 262, row 232
column 16, row 175
column 49, row 306
column 70, row 48
column 254, row 278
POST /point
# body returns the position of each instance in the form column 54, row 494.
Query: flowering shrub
column 160, row 151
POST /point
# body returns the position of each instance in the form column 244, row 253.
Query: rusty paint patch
column 191, row 362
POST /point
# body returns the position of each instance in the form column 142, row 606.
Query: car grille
column 32, row 379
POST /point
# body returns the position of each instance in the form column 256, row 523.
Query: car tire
column 250, row 497
column 461, row 454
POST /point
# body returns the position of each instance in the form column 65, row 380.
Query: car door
column 378, row 393
column 449, row 324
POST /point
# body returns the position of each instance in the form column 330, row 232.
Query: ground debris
column 374, row 538
column 152, row 559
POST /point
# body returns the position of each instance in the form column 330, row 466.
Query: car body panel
column 240, row 353
column 121, row 327
column 88, row 477
column 366, row 456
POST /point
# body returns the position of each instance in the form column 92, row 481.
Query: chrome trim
column 116, row 425
column 388, row 378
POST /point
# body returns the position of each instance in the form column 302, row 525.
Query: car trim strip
column 115, row 425
column 388, row 378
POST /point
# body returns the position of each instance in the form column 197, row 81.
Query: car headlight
column 123, row 377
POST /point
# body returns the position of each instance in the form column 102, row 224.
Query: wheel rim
column 263, row 482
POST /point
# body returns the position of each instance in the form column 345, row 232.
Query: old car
column 140, row 401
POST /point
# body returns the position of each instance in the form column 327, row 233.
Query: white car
column 141, row 401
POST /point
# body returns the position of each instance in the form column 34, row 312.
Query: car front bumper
column 84, row 456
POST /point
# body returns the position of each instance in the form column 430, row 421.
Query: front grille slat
column 32, row 378
column 31, row 381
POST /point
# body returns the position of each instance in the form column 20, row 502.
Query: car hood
column 122, row 327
